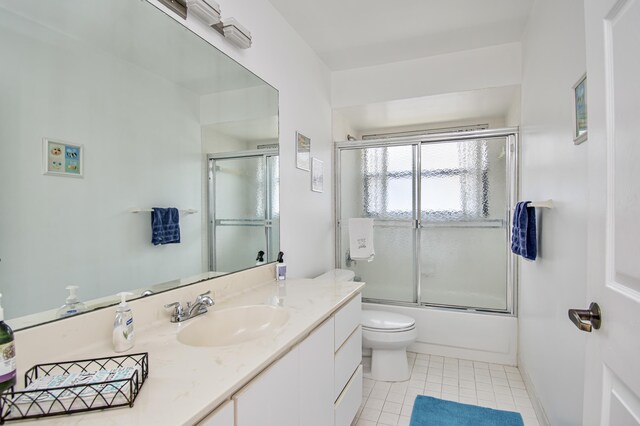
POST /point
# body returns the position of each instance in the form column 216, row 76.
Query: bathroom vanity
column 305, row 372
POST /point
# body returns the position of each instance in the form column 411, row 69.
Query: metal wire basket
column 76, row 386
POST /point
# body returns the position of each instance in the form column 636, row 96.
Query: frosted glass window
column 400, row 196
column 398, row 161
column 443, row 194
column 448, row 156
column 388, row 182
column 455, row 180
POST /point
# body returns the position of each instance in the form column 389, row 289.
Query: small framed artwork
column 62, row 158
column 303, row 152
column 317, row 175
column 580, row 110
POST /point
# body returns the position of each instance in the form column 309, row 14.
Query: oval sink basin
column 232, row 326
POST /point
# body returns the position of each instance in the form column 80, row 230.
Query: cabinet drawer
column 221, row 416
column 347, row 319
column 347, row 405
column 347, row 359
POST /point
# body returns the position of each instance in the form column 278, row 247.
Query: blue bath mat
column 428, row 411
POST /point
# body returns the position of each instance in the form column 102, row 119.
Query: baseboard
column 533, row 396
column 462, row 353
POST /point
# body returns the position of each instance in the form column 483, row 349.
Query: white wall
column 550, row 347
column 456, row 72
column 95, row 242
column 280, row 57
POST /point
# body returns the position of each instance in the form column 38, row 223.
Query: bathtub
column 461, row 334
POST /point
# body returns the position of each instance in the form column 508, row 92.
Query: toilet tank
column 337, row 275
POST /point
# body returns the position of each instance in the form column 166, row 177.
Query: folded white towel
column 361, row 238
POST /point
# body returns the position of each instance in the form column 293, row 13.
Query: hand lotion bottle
column 281, row 268
column 123, row 336
column 7, row 355
column 72, row 305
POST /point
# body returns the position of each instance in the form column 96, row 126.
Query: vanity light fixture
column 234, row 32
column 208, row 11
column 177, row 6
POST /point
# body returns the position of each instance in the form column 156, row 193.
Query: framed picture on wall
column 317, row 175
column 61, row 158
column 580, row 110
column 303, row 152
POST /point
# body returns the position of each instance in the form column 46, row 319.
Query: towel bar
column 547, row 204
column 188, row 211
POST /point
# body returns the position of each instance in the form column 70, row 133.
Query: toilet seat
column 386, row 322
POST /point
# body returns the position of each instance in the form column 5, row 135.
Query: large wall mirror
column 107, row 110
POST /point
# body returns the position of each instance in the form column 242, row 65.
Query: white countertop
column 186, row 383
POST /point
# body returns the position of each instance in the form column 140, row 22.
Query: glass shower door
column 378, row 183
column 464, row 224
column 244, row 210
column 273, row 207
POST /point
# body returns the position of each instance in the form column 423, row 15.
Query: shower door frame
column 513, row 184
column 267, row 223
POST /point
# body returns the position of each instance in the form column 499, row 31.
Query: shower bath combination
column 441, row 203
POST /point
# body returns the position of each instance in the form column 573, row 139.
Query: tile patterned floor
column 469, row 382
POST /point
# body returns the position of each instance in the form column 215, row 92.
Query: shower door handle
column 586, row 319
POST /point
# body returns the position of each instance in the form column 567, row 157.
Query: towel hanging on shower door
column 361, row 239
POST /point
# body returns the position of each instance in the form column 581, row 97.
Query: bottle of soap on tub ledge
column 72, row 305
column 260, row 258
column 281, row 268
column 7, row 353
column 123, row 335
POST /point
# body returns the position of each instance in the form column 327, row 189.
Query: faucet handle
column 208, row 292
column 178, row 311
column 206, row 299
column 176, row 305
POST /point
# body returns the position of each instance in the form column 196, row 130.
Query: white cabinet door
column 612, row 376
column 272, row 398
column 222, row 416
column 316, row 377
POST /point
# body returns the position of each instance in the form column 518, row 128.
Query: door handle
column 586, row 319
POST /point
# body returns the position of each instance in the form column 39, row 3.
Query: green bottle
column 7, row 355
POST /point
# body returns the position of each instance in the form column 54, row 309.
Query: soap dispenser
column 123, row 336
column 260, row 258
column 8, row 352
column 72, row 305
column 281, row 268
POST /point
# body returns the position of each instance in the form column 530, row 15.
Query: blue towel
column 523, row 235
column 165, row 226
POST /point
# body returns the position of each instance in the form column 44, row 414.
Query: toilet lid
column 386, row 321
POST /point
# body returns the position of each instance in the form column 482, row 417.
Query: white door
column 612, row 375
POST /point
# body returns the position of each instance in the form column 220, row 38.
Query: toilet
column 386, row 334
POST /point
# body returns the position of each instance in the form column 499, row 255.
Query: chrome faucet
column 194, row 309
